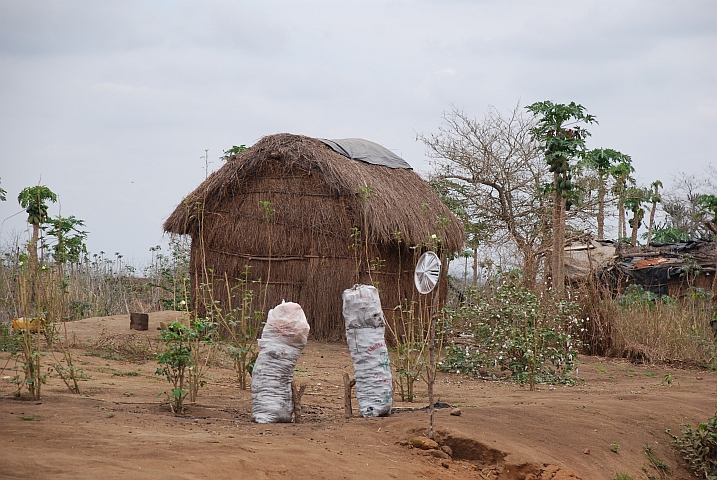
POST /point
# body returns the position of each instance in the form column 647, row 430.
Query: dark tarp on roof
column 366, row 151
column 656, row 267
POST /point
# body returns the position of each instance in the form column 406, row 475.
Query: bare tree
column 680, row 204
column 496, row 173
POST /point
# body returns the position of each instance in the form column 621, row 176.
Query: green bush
column 518, row 331
column 9, row 340
column 698, row 447
column 636, row 295
column 175, row 360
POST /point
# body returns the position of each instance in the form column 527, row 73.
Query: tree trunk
column 636, row 219
column 621, row 219
column 530, row 268
column 601, row 210
column 32, row 253
column 475, row 266
column 557, row 266
column 652, row 222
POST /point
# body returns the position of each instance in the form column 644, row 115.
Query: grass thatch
column 302, row 242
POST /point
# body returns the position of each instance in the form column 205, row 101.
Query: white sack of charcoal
column 365, row 334
column 284, row 336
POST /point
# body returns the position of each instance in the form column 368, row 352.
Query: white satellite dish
column 428, row 271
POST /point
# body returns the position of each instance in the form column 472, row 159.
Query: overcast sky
column 112, row 104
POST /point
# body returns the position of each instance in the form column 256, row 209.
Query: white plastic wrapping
column 365, row 333
column 281, row 342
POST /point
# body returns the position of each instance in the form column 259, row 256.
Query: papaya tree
column 634, row 199
column 34, row 201
column 622, row 174
column 562, row 140
column 601, row 161
column 69, row 241
column 654, row 200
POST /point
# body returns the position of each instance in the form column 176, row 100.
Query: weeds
column 664, row 331
column 623, row 476
column 698, row 447
column 660, row 465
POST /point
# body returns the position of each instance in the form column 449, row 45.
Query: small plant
column 410, row 335
column 203, row 347
column 623, row 476
column 614, row 447
column 128, row 394
column 174, row 362
column 30, row 418
column 660, row 465
column 698, row 447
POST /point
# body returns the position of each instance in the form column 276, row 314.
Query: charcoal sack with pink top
column 282, row 339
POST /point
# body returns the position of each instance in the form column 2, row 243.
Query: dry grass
column 655, row 331
column 660, row 333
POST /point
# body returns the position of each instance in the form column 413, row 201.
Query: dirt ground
column 119, row 427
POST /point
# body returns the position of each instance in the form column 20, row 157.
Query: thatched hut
column 310, row 222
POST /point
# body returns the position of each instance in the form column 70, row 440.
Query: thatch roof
column 399, row 200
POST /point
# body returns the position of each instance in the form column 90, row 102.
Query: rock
column 424, row 443
column 438, row 454
column 456, row 412
column 586, row 451
column 445, row 464
column 447, row 449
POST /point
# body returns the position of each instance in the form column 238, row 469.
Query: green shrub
column 9, row 340
column 175, row 360
column 698, row 447
column 518, row 331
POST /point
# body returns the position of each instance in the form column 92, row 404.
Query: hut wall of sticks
column 308, row 222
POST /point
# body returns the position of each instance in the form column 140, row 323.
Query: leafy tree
column 33, row 200
column 562, row 140
column 2, row 194
column 663, row 233
column 232, row 151
column 654, row 199
column 602, row 161
column 69, row 239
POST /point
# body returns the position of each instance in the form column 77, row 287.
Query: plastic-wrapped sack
column 365, row 333
column 281, row 342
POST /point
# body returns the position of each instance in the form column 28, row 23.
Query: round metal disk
column 428, row 270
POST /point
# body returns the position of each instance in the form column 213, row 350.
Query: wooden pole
column 432, row 359
column 348, row 385
column 296, row 394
